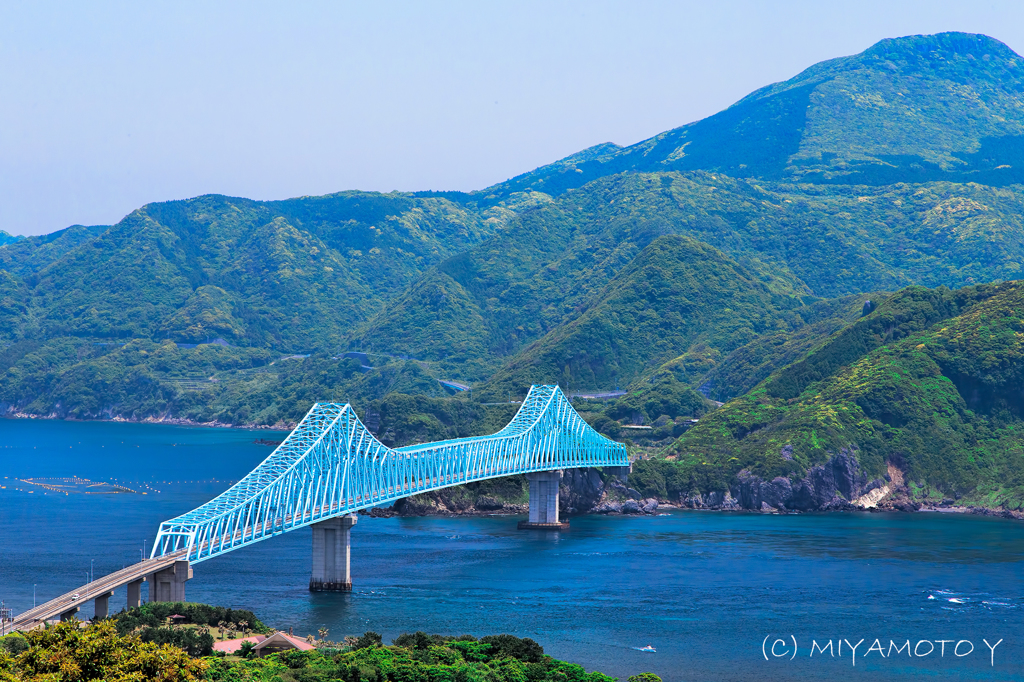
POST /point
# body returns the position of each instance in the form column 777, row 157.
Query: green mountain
column 730, row 259
column 478, row 310
column 296, row 273
column 677, row 294
column 912, row 109
column 6, row 238
column 800, row 330
column 927, row 388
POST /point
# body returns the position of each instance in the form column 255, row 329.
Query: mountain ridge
column 784, row 115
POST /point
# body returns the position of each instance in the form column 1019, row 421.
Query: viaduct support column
column 544, row 501
column 102, row 604
column 332, row 550
column 135, row 594
column 169, row 584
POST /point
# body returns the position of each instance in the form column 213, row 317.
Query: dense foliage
column 108, row 651
column 676, row 294
column 154, row 614
column 548, row 272
column 152, row 623
column 541, row 294
column 70, row 653
column 930, row 382
column 415, row 657
column 7, row 238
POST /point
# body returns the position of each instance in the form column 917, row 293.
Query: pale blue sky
column 106, row 106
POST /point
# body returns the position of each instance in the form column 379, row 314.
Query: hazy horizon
column 112, row 106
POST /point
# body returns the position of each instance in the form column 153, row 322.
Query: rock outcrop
column 455, row 501
column 834, row 485
column 581, row 491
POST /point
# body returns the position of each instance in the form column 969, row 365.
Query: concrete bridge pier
column 102, row 604
column 169, row 584
column 69, row 614
column 332, row 553
column 544, row 501
column 135, row 593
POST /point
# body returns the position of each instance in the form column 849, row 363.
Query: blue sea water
column 712, row 592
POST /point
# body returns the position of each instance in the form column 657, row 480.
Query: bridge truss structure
column 331, row 465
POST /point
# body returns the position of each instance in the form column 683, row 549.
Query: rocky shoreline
column 651, row 507
column 838, row 485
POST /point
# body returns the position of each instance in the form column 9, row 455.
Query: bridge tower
column 332, row 552
column 544, row 501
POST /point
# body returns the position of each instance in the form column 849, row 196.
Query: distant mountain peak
column 911, row 109
column 949, row 45
column 7, row 238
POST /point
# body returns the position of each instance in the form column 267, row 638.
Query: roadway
column 97, row 588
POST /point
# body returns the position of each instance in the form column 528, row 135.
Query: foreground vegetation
column 117, row 649
column 412, row 657
column 70, row 653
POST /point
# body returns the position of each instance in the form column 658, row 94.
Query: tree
column 524, row 649
column 369, row 639
column 644, row 677
column 72, row 654
column 14, row 644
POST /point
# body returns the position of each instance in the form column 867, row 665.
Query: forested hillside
column 480, row 308
column 721, row 260
column 931, row 383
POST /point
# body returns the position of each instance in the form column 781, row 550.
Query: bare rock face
column 418, row 505
column 900, row 500
column 609, row 507
column 379, row 512
column 488, row 503
column 829, row 486
column 714, row 500
column 580, row 490
column 585, row 491
column 451, row 502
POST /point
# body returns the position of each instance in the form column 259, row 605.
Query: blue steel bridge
column 330, row 467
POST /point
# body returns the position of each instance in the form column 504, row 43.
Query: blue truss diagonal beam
column 332, row 465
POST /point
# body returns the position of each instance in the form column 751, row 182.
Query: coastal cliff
column 839, row 484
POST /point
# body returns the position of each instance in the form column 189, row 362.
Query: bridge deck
column 64, row 603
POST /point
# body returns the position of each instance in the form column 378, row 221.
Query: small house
column 278, row 642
